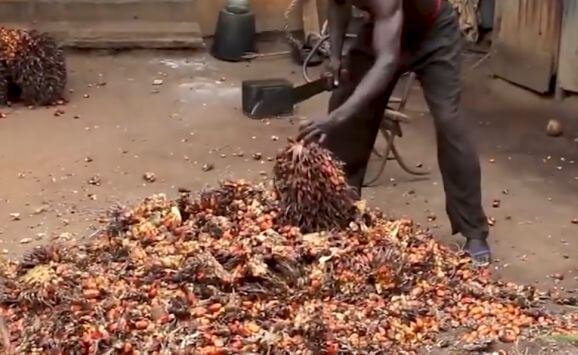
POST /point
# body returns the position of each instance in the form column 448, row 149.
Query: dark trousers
column 436, row 61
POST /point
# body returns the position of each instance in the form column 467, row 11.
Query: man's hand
column 335, row 67
column 338, row 16
column 317, row 130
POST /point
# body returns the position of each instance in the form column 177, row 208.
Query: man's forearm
column 371, row 86
column 386, row 43
column 338, row 16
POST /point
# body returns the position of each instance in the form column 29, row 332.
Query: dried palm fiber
column 468, row 17
column 312, row 188
column 35, row 64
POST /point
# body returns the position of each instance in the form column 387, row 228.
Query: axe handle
column 306, row 91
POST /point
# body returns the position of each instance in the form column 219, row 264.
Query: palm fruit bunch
column 312, row 189
column 34, row 65
column 218, row 272
column 3, row 84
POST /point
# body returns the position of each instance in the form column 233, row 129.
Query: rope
column 467, row 11
column 291, row 8
column 310, row 56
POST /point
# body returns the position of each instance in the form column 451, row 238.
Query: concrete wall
column 269, row 14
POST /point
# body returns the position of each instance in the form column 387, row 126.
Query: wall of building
column 568, row 66
column 527, row 32
column 269, row 14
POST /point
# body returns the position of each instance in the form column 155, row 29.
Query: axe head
column 267, row 98
column 277, row 97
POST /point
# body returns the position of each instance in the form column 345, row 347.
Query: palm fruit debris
column 34, row 65
column 219, row 273
column 313, row 192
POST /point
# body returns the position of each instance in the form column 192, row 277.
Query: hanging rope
column 293, row 6
column 468, row 17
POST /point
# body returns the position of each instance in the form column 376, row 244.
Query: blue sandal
column 479, row 251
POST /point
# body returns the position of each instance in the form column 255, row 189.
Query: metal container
column 487, row 8
column 235, row 33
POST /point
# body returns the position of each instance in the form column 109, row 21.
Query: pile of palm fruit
column 221, row 272
column 32, row 67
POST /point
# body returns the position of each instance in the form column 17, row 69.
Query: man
column 404, row 35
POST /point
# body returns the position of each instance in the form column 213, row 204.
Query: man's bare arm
column 386, row 41
column 338, row 16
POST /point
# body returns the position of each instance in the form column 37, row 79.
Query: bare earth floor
column 118, row 125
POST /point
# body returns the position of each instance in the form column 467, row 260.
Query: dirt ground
column 62, row 168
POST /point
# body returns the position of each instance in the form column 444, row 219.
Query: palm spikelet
column 11, row 43
column 312, row 188
column 40, row 287
column 38, row 256
column 34, row 64
column 387, row 267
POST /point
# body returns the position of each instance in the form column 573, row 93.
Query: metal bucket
column 487, row 8
column 235, row 34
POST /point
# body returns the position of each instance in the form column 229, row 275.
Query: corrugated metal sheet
column 568, row 65
column 527, row 42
